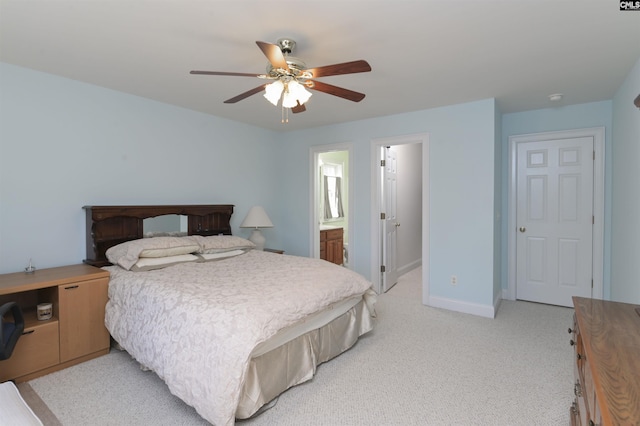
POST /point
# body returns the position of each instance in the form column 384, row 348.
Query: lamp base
column 258, row 239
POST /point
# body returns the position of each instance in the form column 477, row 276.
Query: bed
column 227, row 327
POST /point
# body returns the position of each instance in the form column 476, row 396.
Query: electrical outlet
column 454, row 280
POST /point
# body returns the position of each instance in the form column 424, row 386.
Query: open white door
column 377, row 206
column 390, row 221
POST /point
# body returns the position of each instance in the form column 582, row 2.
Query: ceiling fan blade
column 298, row 108
column 337, row 91
column 245, row 95
column 273, row 54
column 237, row 74
column 338, row 69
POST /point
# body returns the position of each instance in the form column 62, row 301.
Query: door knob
column 522, row 229
column 397, row 224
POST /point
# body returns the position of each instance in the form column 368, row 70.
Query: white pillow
column 169, row 251
column 127, row 254
column 220, row 255
column 222, row 243
column 151, row 263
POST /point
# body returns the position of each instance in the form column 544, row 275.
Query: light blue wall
column 65, row 144
column 625, row 250
column 462, row 142
column 595, row 114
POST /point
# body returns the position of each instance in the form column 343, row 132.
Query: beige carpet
column 420, row 366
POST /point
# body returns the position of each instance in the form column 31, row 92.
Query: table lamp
column 257, row 218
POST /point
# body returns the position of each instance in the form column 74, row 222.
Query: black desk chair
column 10, row 331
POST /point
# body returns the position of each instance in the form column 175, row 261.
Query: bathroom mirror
column 332, row 183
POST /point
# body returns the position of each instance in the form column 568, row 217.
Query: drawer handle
column 570, row 330
column 28, row 332
column 71, row 287
column 580, row 357
column 571, row 342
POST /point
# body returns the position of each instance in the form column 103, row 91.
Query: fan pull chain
column 285, row 115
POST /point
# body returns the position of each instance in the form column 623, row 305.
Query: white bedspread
column 195, row 324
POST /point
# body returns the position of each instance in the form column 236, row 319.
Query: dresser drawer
column 36, row 349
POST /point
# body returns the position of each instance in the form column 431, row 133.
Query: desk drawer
column 38, row 348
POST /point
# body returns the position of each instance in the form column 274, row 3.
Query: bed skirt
column 295, row 362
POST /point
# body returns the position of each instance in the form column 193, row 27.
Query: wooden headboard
column 111, row 225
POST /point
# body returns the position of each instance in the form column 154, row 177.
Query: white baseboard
column 486, row 311
column 409, row 267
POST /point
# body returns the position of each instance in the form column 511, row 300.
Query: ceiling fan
column 290, row 77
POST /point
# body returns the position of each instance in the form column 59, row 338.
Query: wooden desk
column 75, row 333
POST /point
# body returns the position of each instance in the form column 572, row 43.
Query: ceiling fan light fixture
column 288, row 100
column 299, row 92
column 273, row 92
column 291, row 92
column 294, row 94
column 290, row 78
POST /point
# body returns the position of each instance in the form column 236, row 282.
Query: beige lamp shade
column 256, row 218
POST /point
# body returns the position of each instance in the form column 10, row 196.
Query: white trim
column 486, row 311
column 598, row 134
column 410, row 267
column 376, row 256
column 314, row 235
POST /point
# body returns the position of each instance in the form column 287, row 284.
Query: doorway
column 383, row 252
column 331, row 202
column 556, row 216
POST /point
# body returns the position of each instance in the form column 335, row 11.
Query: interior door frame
column 314, row 229
column 598, row 134
column 376, row 203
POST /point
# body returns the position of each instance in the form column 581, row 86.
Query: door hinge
column 592, row 283
column 594, row 156
column 383, row 216
column 382, row 163
column 593, row 220
column 382, row 268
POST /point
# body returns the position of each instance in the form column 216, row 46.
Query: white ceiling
column 424, row 54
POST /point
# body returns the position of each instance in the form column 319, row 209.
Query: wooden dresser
column 606, row 341
column 331, row 245
column 75, row 333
